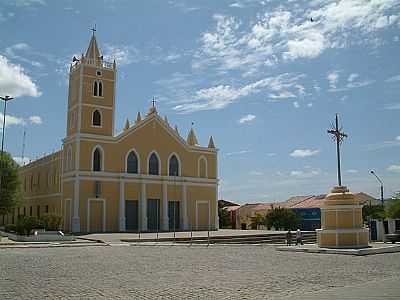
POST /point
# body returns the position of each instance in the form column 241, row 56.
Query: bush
column 51, row 222
column 25, row 224
column 10, row 228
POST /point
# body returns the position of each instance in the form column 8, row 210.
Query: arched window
column 132, row 163
column 153, row 165
column 69, row 159
column 96, row 120
column 97, row 160
column 100, row 89
column 173, row 166
column 202, row 167
column 95, row 89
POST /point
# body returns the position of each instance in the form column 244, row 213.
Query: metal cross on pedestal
column 338, row 136
column 154, row 101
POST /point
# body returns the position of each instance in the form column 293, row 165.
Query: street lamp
column 380, row 181
column 5, row 99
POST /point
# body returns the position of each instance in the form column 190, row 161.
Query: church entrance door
column 173, row 210
column 132, row 215
column 153, row 214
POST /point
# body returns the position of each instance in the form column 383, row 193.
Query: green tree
column 10, row 192
column 376, row 212
column 257, row 220
column 224, row 218
column 393, row 209
column 282, row 218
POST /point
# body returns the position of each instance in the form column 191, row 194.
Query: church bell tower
column 91, row 99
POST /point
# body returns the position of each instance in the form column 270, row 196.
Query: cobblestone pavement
column 182, row 272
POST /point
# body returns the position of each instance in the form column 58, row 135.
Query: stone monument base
column 341, row 221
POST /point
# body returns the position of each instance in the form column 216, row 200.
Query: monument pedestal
column 341, row 221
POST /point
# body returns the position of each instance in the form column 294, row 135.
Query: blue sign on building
column 310, row 218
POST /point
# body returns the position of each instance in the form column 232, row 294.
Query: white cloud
column 282, row 95
column 392, row 106
column 393, row 78
column 301, row 153
column 237, row 5
column 296, row 104
column 352, row 171
column 29, row 2
column 256, row 173
column 271, row 154
column 14, row 81
column 220, row 96
column 333, row 78
column 309, row 104
column 311, row 45
column 123, row 55
column 285, row 32
column 247, row 118
column 397, row 138
column 11, row 120
column 21, row 161
column 305, row 174
column 394, row 168
column 238, row 152
column 35, row 120
column 352, row 77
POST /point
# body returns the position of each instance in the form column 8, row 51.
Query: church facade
column 146, row 178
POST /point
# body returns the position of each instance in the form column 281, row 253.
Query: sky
column 264, row 78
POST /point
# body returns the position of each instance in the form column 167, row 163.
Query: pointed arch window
column 97, row 160
column 96, row 119
column 154, row 165
column 173, row 166
column 202, row 167
column 95, row 88
column 132, row 163
column 100, row 89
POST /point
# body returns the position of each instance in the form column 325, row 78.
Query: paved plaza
column 193, row 272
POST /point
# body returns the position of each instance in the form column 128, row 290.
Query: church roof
column 93, row 51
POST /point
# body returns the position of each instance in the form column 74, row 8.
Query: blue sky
column 259, row 76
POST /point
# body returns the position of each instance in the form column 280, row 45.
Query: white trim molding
column 88, row 213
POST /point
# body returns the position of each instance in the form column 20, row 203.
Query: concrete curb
column 356, row 252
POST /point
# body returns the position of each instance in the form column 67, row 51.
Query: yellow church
column 146, row 178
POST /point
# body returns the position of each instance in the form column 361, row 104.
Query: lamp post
column 5, row 99
column 380, row 181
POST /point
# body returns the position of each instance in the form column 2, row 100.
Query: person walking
column 289, row 238
column 299, row 237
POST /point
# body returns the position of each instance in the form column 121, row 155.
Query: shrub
column 51, row 222
column 25, row 224
column 10, row 228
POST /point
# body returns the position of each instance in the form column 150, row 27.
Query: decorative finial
column 138, row 117
column 165, row 119
column 192, row 139
column 127, row 124
column 176, row 129
column 211, row 144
